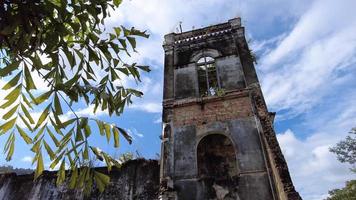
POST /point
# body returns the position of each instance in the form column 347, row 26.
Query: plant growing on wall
column 65, row 43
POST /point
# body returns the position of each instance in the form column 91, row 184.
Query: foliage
column 346, row 149
column 4, row 169
column 126, row 157
column 66, row 44
column 346, row 193
column 346, row 153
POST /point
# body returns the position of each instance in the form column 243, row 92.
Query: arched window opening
column 207, row 77
column 216, row 158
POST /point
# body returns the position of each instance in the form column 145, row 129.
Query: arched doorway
column 217, row 167
column 216, row 158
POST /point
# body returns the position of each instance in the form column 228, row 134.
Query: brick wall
column 205, row 112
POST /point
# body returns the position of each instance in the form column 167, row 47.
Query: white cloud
column 134, row 133
column 150, row 107
column 89, row 111
column 27, row 159
column 308, row 62
column 313, row 168
column 158, row 120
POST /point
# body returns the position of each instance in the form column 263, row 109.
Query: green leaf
column 40, row 165
column 101, row 127
column 57, row 105
column 102, row 180
column 29, row 81
column 7, row 125
column 73, row 178
column 14, row 94
column 55, row 162
column 24, row 136
column 26, row 123
column 93, row 55
column 70, row 57
column 37, row 63
column 132, row 42
column 116, row 136
column 43, row 97
column 9, row 68
column 97, row 153
column 107, row 128
column 117, row 31
column 125, row 134
column 26, row 101
column 49, row 150
column 10, row 146
column 78, row 135
column 68, row 122
column 37, row 146
column 54, row 139
column 87, row 130
column 39, row 133
column 117, row 2
column 144, row 68
column 11, row 112
column 61, row 174
column 86, row 153
column 12, row 82
column 27, row 114
column 43, row 116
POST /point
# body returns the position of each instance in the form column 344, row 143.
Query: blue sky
column 306, row 65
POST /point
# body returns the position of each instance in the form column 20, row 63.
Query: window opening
column 207, row 77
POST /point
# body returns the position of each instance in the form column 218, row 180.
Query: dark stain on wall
column 135, row 180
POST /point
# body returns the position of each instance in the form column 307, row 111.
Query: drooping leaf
column 37, row 146
column 26, row 123
column 86, row 153
column 29, row 81
column 24, row 136
column 27, row 114
column 11, row 112
column 56, row 161
column 97, row 152
column 117, row 2
column 9, row 68
column 49, row 150
column 116, row 136
column 43, row 97
column 8, row 125
column 101, row 127
column 54, row 139
column 125, row 134
column 10, row 146
column 107, row 128
column 12, row 82
column 14, row 94
column 132, row 42
column 57, row 105
column 73, row 178
column 102, row 180
column 40, row 165
column 61, row 174
column 43, row 116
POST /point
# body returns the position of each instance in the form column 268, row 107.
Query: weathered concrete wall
column 230, row 115
column 136, row 180
column 230, row 72
column 186, row 82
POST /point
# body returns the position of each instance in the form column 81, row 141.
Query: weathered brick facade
column 218, row 140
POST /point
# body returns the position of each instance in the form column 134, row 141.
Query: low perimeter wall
column 135, row 180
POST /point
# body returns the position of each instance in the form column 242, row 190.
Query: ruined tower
column 218, row 140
